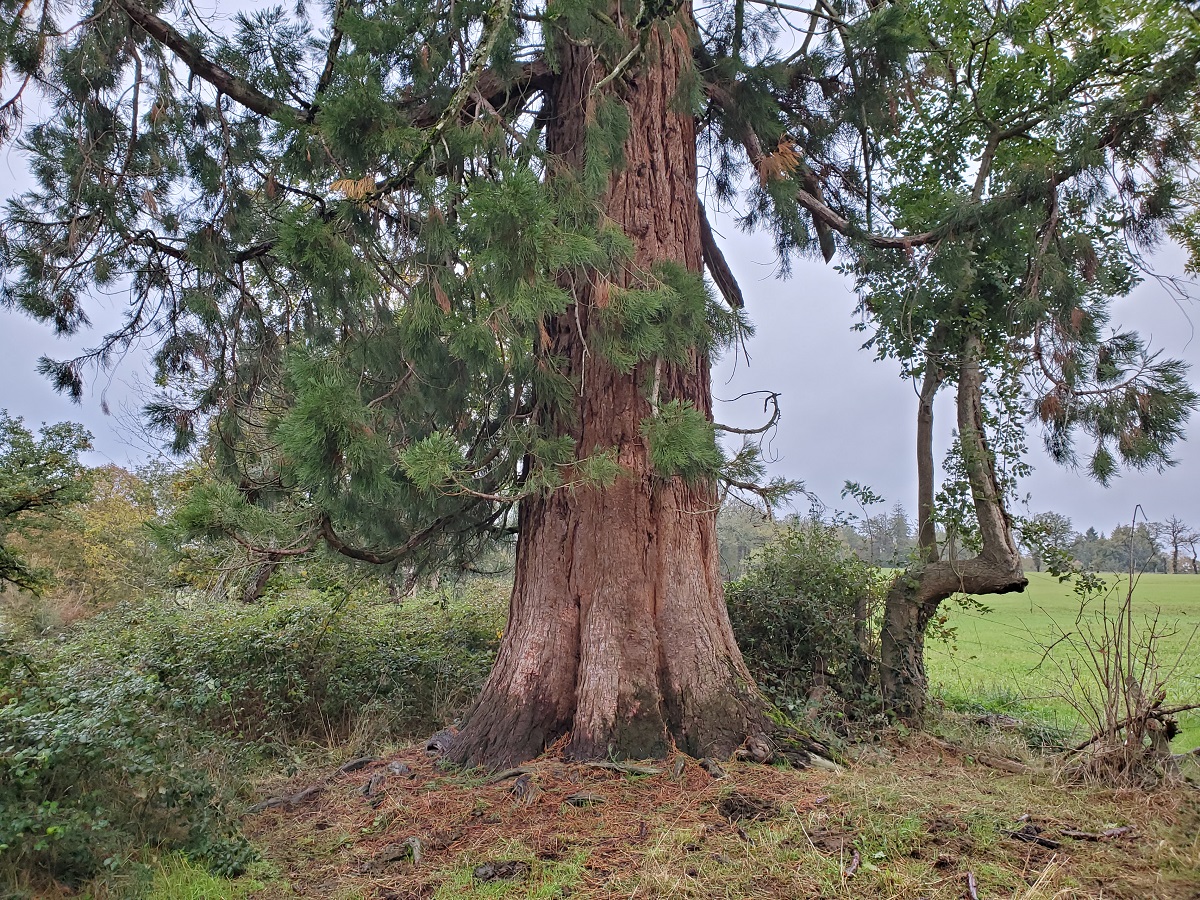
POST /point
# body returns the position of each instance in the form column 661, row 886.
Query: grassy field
column 997, row 657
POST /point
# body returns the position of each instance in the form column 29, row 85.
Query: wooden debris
column 313, row 789
column 376, row 782
column 756, row 749
column 738, row 806
column 524, row 790
column 413, row 844
column 440, row 743
column 289, row 800
column 992, row 762
column 492, row 871
column 855, row 860
column 972, row 887
column 627, row 768
column 1031, row 834
column 583, row 799
column 507, row 774
column 1097, row 836
column 355, row 764
column 409, row 848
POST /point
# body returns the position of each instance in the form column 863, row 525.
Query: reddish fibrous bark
column 618, row 634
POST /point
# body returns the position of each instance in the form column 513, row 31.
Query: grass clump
column 179, row 878
column 544, row 880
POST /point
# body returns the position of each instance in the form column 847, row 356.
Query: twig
column 627, row 768
column 507, row 774
column 313, row 789
column 1101, row 836
column 849, row 871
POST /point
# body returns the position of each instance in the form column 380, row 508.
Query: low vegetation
column 181, row 743
column 139, row 729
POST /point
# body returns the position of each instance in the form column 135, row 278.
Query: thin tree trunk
column 254, row 588
column 915, row 595
column 618, row 634
column 926, row 530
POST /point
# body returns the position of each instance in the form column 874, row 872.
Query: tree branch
column 718, row 266
column 1178, row 79
column 332, row 539
column 222, row 79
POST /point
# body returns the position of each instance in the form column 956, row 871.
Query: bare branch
column 717, row 265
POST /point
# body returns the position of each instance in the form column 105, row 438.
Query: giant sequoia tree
column 427, row 273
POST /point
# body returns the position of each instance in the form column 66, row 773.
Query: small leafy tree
column 804, row 617
column 41, row 479
column 1046, row 531
column 1013, row 313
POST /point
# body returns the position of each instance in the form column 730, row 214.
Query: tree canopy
column 41, row 478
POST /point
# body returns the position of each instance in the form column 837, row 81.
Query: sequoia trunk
column 618, row 634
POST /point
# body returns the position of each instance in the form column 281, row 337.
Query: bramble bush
column 93, row 772
column 107, row 732
column 302, row 670
column 803, row 616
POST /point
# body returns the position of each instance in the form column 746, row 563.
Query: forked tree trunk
column 916, row 594
column 618, row 634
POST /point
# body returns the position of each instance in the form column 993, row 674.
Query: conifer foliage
column 428, row 274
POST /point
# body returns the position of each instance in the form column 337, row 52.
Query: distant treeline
column 890, row 539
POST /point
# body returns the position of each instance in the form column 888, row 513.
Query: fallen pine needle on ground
column 920, row 823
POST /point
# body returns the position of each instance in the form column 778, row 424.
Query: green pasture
column 999, row 659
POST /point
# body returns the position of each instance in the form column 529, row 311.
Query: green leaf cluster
column 41, row 479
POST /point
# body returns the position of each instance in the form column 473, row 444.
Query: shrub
column 91, row 772
column 802, row 617
column 107, row 731
column 303, row 670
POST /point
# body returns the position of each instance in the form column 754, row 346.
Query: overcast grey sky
column 849, row 417
column 845, row 416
